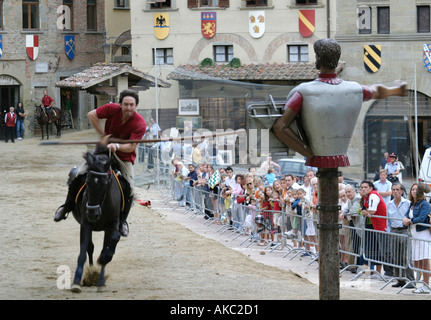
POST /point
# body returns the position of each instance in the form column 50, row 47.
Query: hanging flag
column 256, row 23
column 306, row 22
column 32, row 46
column 161, row 25
column 372, row 57
column 1, row 46
column 427, row 57
column 208, row 24
column 69, row 46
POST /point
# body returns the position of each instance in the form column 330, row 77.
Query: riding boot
column 124, row 227
column 75, row 183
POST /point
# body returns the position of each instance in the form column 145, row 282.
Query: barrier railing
column 297, row 234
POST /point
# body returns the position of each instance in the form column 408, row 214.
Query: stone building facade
column 23, row 79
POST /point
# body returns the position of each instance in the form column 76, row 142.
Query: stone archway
column 389, row 127
column 229, row 38
column 124, row 37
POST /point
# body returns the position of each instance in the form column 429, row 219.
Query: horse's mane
column 99, row 159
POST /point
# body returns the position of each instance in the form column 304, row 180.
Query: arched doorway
column 389, row 127
column 9, row 97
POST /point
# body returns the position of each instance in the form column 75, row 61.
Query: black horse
column 98, row 208
column 42, row 120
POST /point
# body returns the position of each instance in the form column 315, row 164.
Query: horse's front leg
column 90, row 249
column 84, row 241
column 47, row 131
column 109, row 245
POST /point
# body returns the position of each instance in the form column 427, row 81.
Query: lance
column 123, row 141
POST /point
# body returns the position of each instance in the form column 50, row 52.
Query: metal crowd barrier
column 289, row 232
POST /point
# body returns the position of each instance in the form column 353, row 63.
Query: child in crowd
column 296, row 223
column 270, row 177
column 277, row 214
column 251, row 215
column 307, row 212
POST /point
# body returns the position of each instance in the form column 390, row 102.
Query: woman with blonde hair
column 421, row 236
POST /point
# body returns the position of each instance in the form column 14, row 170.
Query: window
column 164, row 56
column 121, row 4
column 68, row 25
column 91, row 15
column 223, row 53
column 256, row 3
column 306, row 2
column 423, row 17
column 30, row 14
column 297, row 53
column 383, row 20
column 161, row 4
column 209, row 3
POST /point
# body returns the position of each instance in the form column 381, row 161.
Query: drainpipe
column 328, row 19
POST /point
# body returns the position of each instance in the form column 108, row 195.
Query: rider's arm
column 94, row 120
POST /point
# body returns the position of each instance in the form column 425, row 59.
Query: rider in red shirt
column 47, row 102
column 123, row 122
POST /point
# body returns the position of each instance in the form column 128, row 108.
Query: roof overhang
column 250, row 72
column 96, row 79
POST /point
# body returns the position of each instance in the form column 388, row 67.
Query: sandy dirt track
column 163, row 257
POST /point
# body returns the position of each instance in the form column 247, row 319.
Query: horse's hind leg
column 47, row 131
column 84, row 240
column 58, row 125
column 109, row 245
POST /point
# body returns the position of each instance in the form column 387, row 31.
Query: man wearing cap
column 392, row 168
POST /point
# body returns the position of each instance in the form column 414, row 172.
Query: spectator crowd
column 272, row 207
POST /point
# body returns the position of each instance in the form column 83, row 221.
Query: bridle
column 98, row 206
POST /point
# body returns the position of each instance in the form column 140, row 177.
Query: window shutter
column 224, row 3
column 192, row 3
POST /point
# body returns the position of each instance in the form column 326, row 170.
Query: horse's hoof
column 76, row 288
column 101, row 289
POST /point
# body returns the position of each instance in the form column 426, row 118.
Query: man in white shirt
column 393, row 167
column 384, row 186
column 397, row 208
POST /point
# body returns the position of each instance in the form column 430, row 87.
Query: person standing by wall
column 10, row 120
column 20, row 116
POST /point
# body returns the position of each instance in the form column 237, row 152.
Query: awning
column 95, row 79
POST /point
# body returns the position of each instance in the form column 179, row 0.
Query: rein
column 99, row 205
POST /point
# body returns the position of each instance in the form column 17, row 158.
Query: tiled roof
column 273, row 71
column 103, row 71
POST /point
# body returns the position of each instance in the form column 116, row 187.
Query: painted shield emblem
column 32, row 46
column 427, row 57
column 306, row 22
column 256, row 23
column 208, row 24
column 161, row 25
column 1, row 46
column 372, row 57
column 69, row 46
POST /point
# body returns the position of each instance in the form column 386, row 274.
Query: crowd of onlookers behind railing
column 381, row 206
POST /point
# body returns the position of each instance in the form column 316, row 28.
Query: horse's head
column 98, row 178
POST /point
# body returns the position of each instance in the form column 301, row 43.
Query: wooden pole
column 195, row 137
column 328, row 226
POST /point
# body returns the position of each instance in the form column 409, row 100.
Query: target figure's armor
column 326, row 111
